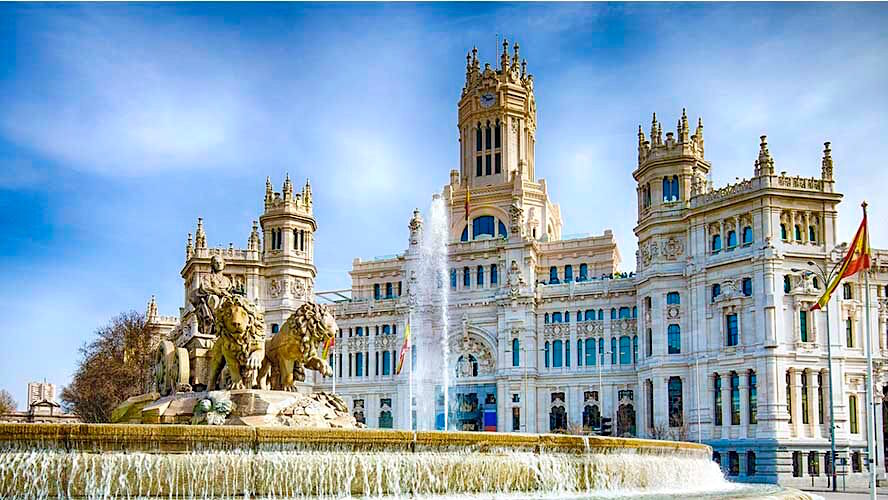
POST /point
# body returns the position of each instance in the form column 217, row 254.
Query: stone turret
column 826, row 168
column 764, row 165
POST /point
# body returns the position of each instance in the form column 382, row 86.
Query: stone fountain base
column 250, row 407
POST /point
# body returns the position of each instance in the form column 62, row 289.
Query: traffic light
column 606, row 427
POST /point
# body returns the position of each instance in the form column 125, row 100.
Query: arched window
column 556, row 317
column 295, row 239
column 753, row 398
column 852, row 414
column 359, row 364
column 479, row 279
column 634, row 312
column 675, row 192
column 553, row 274
column 673, row 298
column 717, row 404
column 613, row 313
column 547, row 318
column 673, row 337
column 386, row 362
column 579, row 353
column 783, row 235
column 497, row 141
column 568, row 273
column 557, row 354
column 601, row 314
column 613, row 350
column 453, row 279
column 797, row 232
column 635, row 348
column 388, row 290
column 584, row 272
column 589, row 315
column 716, row 291
column 589, row 359
column 484, row 224
column 625, row 350
column 465, row 234
column 812, row 234
column 579, row 316
column 487, row 136
column 516, row 352
column 502, row 227
column 494, row 275
column 716, row 242
column 732, row 238
column 377, row 294
column 846, row 291
column 625, row 313
column 747, row 235
column 676, row 413
column 668, row 195
column 275, row 328
column 386, row 329
column 478, row 139
column 467, row 277
column 546, row 354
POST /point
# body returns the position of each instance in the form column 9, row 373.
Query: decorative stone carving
column 673, row 248
column 299, row 289
column 415, row 227
column 515, row 280
column 240, row 345
column 210, row 292
column 295, row 347
column 516, row 217
column 274, row 289
column 171, row 368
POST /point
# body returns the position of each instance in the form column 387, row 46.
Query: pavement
column 855, row 494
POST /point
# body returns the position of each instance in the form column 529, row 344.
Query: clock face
column 487, row 100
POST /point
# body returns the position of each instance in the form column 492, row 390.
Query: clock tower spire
column 497, row 120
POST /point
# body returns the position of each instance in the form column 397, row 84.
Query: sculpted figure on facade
column 516, row 217
column 296, row 346
column 515, row 280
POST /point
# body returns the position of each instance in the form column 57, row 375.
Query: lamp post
column 826, row 276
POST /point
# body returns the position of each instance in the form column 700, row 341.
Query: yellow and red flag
column 468, row 198
column 327, row 346
column 404, row 348
column 857, row 259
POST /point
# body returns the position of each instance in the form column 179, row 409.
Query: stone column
column 814, row 402
column 726, row 402
column 796, row 390
column 744, row 405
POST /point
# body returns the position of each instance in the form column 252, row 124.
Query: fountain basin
column 108, row 460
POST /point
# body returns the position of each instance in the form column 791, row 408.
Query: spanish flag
column 403, row 354
column 327, row 345
column 857, row 259
column 468, row 198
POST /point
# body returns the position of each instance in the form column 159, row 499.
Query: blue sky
column 120, row 124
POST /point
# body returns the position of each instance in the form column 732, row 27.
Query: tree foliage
column 114, row 366
column 7, row 402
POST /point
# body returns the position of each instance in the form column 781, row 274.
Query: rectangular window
column 750, row 463
column 376, row 292
column 386, row 363
column 849, row 332
column 852, row 414
column 467, row 277
column 497, row 163
column 732, row 331
column 674, row 339
column 747, row 287
column 487, row 164
column 493, row 274
column 735, row 399
column 803, row 325
column 516, row 418
column 753, row 399
column 717, row 404
column 478, row 166
column 497, row 136
column 479, row 278
column 787, row 284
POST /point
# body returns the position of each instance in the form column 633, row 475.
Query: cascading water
column 431, row 332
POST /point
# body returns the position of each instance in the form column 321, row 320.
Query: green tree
column 7, row 402
column 114, row 366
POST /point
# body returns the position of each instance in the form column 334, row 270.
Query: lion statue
column 295, row 347
column 240, row 345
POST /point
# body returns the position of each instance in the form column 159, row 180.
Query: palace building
column 709, row 339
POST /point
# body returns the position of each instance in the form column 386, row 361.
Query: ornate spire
column 200, row 238
column 826, row 169
column 504, row 58
column 764, row 165
column 151, row 311
column 269, row 192
column 523, row 68
column 287, row 190
column 189, row 248
column 683, row 134
column 640, row 136
column 698, row 134
column 306, row 193
column 253, row 242
column 654, row 129
column 475, row 63
column 515, row 57
column 659, row 133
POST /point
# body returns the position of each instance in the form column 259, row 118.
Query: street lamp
column 826, row 276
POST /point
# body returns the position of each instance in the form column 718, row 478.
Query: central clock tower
column 497, row 121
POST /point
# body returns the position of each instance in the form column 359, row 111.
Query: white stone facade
column 750, row 240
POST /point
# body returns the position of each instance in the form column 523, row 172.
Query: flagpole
column 409, row 374
column 870, row 407
column 335, row 366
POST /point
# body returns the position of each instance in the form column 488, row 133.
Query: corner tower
column 288, row 227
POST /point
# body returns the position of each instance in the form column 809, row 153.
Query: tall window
column 849, row 332
column 812, row 234
column 479, row 165
column 516, row 352
column 579, row 352
column 635, row 348
column 601, row 315
column 601, row 351
column 852, row 414
column 648, row 343
column 650, row 403
column 584, row 272
column 716, row 243
column 732, row 238
column 717, row 403
column 674, row 339
column 673, row 298
column 386, row 362
column 735, row 399
column 516, row 418
column 479, row 279
column 753, row 398
column 568, row 273
column 478, row 138
column 613, row 313
column 546, row 354
column 803, row 325
column 747, row 235
column 625, row 350
column 798, row 232
column 789, row 394
column 557, row 354
column 675, row 403
column 716, row 291
column 589, row 353
column 494, row 274
column 613, row 350
column 783, row 235
column 820, row 398
column 467, row 277
column 453, row 279
column 389, row 293
column 787, row 283
column 497, row 141
column 359, row 364
column 553, row 274
column 750, row 463
column 747, row 286
column 733, row 463
column 846, row 291
column 732, row 331
column 376, row 291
